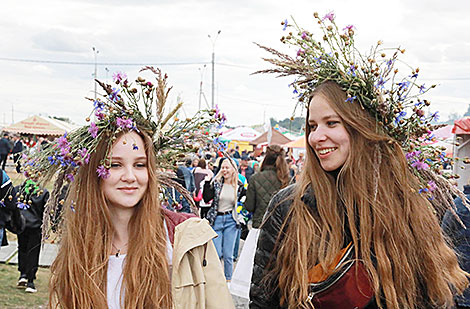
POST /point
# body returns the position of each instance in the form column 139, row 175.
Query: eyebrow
column 327, row 117
column 120, row 158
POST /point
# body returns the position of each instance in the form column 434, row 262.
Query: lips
column 128, row 189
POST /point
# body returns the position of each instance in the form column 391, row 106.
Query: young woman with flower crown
column 119, row 247
column 357, row 230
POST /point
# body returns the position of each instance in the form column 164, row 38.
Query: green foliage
column 295, row 125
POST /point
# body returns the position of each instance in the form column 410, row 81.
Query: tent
column 40, row 125
column 277, row 138
column 240, row 136
column 298, row 143
column 461, row 129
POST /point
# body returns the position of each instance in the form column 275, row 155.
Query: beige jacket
column 193, row 284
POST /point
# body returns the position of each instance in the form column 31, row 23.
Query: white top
column 227, row 198
column 114, row 277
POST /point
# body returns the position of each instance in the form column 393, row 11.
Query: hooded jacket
column 198, row 281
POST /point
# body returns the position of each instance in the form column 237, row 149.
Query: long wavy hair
column 219, row 175
column 79, row 273
column 394, row 230
column 276, row 156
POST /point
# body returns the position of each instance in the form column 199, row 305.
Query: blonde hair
column 233, row 179
column 79, row 273
column 394, row 230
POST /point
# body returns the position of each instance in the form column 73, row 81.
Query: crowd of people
column 362, row 219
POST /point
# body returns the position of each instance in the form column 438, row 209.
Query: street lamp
column 213, row 40
column 95, row 51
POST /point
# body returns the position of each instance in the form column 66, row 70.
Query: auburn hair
column 394, row 230
column 276, row 156
column 79, row 273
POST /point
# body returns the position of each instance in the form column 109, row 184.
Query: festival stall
column 461, row 129
column 265, row 139
column 39, row 125
column 240, row 136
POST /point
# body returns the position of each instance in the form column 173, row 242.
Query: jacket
column 212, row 190
column 261, row 188
column 262, row 294
column 460, row 237
column 34, row 213
column 249, row 171
column 7, row 205
column 197, row 280
column 5, row 146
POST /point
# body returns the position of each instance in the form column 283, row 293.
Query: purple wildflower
column 70, row 177
column 85, row 155
column 124, row 123
column 350, row 99
column 432, row 186
column 102, row 172
column 300, row 52
column 435, row 116
column 422, row 89
column 348, row 27
column 99, row 116
column 93, row 130
column 420, row 165
column 330, row 16
column 304, row 35
column 62, row 141
column 119, row 76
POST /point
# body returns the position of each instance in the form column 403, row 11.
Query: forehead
column 226, row 163
column 129, row 145
column 319, row 108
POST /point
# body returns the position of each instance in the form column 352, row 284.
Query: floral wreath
column 119, row 109
column 373, row 81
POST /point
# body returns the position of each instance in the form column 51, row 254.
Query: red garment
column 172, row 219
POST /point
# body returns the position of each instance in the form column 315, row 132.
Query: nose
column 128, row 174
column 317, row 136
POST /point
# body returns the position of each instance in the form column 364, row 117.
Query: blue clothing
column 226, row 229
column 460, row 237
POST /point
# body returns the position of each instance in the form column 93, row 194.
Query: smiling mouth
column 325, row 151
column 127, row 189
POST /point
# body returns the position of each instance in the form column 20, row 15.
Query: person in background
column 186, row 178
column 459, row 234
column 200, row 173
column 5, row 148
column 245, row 169
column 194, row 164
column 272, row 177
column 236, row 153
column 31, row 203
column 225, row 190
column 16, row 151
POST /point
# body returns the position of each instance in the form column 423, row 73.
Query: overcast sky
column 174, row 35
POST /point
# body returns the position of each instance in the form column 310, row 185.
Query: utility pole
column 213, row 40
column 95, row 51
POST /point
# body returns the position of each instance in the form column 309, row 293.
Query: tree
column 467, row 113
column 296, row 125
column 452, row 118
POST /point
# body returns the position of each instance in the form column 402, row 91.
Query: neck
column 120, row 219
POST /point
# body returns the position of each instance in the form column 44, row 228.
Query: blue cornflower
column 423, row 190
column 422, row 88
column 400, row 117
column 350, row 99
column 404, row 85
column 380, row 83
column 435, row 116
column 285, row 25
column 135, row 147
column 414, row 75
column 98, row 105
column 318, row 60
column 389, row 63
column 295, row 91
column 51, row 160
column 2, row 204
column 114, row 95
column 22, row 206
column 352, row 71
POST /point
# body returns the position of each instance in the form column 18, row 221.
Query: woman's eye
column 332, row 123
column 115, row 165
column 313, row 127
column 140, row 165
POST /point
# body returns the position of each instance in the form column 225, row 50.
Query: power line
column 99, row 63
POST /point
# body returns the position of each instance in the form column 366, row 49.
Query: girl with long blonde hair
column 119, row 248
column 358, row 229
column 225, row 190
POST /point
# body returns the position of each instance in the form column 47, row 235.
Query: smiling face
column 227, row 169
column 328, row 136
column 128, row 179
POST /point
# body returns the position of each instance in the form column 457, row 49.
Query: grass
column 11, row 297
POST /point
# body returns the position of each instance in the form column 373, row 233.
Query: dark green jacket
column 261, row 188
